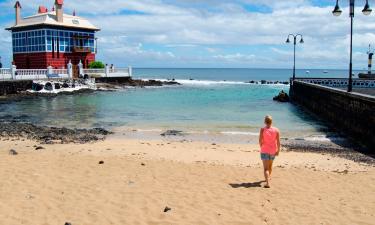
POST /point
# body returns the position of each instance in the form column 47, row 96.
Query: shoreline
column 15, row 130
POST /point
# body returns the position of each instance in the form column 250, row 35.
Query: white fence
column 109, row 72
column 5, row 74
column 339, row 82
column 50, row 73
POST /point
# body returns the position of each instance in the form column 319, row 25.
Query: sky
column 214, row 33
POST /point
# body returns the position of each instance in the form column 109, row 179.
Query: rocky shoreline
column 50, row 135
column 129, row 82
column 344, row 149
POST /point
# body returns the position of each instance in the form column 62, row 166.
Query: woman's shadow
column 248, row 185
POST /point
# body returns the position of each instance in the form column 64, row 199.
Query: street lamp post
column 294, row 36
column 337, row 12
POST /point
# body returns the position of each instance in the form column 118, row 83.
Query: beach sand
column 200, row 182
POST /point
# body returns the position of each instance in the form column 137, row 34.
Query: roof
column 59, row 2
column 49, row 18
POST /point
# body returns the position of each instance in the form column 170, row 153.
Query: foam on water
column 213, row 82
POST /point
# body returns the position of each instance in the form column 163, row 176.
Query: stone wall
column 351, row 113
column 14, row 87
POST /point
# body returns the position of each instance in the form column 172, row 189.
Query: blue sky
column 214, row 33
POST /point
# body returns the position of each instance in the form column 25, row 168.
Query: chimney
column 18, row 7
column 42, row 9
column 59, row 10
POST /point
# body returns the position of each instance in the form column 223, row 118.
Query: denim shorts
column 265, row 156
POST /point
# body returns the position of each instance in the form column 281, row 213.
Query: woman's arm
column 278, row 142
column 261, row 138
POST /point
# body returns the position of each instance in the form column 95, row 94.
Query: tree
column 96, row 65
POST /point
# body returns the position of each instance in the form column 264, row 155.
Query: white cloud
column 224, row 31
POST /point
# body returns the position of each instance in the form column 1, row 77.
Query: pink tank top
column 269, row 145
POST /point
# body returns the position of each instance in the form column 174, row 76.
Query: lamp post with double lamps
column 337, row 12
column 294, row 36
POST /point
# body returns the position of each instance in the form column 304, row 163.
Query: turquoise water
column 204, row 105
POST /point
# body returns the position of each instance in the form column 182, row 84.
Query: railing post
column 80, row 67
column 70, row 69
column 130, row 71
column 49, row 71
column 13, row 71
column 106, row 70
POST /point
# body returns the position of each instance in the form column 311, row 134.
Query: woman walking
column 269, row 141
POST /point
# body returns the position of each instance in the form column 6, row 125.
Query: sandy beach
column 130, row 181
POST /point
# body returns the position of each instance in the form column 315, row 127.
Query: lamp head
column 301, row 41
column 287, row 41
column 337, row 11
column 367, row 10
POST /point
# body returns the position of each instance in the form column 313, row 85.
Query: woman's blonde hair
column 268, row 120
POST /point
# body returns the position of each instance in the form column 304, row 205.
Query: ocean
column 209, row 102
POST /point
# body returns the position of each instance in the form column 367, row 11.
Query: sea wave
column 239, row 133
column 213, row 82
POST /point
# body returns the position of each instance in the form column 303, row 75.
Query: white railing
column 339, row 82
column 5, row 71
column 31, row 72
column 59, row 71
column 119, row 72
column 5, row 74
column 93, row 71
column 50, row 73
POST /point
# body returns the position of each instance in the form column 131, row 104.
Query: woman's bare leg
column 266, row 172
column 270, row 168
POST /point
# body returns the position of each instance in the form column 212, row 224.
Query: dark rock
column 67, row 223
column 126, row 81
column 166, row 209
column 172, row 133
column 263, row 82
column 50, row 135
column 48, row 86
column 39, row 148
column 142, row 164
column 13, row 152
column 282, row 97
column 101, row 162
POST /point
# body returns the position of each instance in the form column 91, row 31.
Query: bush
column 96, row 65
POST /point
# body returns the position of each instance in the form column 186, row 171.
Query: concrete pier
column 351, row 113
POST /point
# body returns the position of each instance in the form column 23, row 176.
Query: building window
column 41, row 41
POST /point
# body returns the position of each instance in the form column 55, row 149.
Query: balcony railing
column 5, row 71
column 82, row 49
column 28, row 72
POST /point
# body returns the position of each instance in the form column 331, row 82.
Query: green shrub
column 96, row 65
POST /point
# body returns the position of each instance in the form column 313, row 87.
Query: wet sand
column 133, row 181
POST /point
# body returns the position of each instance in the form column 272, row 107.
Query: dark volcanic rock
column 13, row 152
column 172, row 133
column 343, row 149
column 282, row 97
column 166, row 209
column 50, row 135
column 135, row 82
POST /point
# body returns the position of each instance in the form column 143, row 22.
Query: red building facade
column 52, row 39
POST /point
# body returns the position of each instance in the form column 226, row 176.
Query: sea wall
column 351, row 113
column 14, row 87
